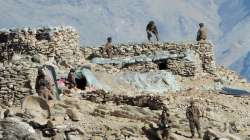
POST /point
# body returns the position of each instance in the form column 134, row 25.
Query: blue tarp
column 152, row 82
column 162, row 55
column 235, row 91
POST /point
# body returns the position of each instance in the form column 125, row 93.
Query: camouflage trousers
column 195, row 124
column 108, row 51
column 163, row 133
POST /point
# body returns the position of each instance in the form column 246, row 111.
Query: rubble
column 100, row 96
column 16, row 129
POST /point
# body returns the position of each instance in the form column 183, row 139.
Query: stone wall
column 184, row 59
column 18, row 47
column 16, row 80
column 59, row 42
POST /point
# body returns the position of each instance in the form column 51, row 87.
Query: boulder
column 73, row 114
column 37, row 107
column 15, row 129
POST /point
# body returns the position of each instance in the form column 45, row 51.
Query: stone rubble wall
column 140, row 67
column 17, row 69
column 16, row 81
column 59, row 42
column 183, row 59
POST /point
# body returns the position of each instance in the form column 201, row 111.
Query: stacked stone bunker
column 17, row 77
column 185, row 59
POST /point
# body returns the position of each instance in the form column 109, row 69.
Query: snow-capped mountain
column 228, row 21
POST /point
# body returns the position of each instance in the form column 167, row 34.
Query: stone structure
column 16, row 81
column 17, row 75
column 182, row 59
column 59, row 42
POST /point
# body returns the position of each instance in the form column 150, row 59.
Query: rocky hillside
column 120, row 97
column 92, row 115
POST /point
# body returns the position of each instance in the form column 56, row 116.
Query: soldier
column 164, row 125
column 71, row 79
column 108, row 47
column 10, row 54
column 43, row 85
column 193, row 115
column 202, row 33
column 152, row 29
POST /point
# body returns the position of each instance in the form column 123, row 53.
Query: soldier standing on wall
column 108, row 48
column 202, row 33
column 193, row 115
column 152, row 29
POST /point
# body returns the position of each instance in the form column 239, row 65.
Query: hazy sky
column 228, row 21
column 125, row 20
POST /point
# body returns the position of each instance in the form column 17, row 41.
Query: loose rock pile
column 100, row 96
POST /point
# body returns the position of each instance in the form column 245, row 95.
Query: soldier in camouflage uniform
column 193, row 115
column 164, row 125
column 202, row 33
column 43, row 85
column 152, row 29
column 71, row 80
column 108, row 48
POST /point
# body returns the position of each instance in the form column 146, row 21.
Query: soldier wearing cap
column 43, row 85
column 152, row 29
column 202, row 33
column 108, row 47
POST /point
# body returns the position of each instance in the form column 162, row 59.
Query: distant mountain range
column 228, row 21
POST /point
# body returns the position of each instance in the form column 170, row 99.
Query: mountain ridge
column 227, row 20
